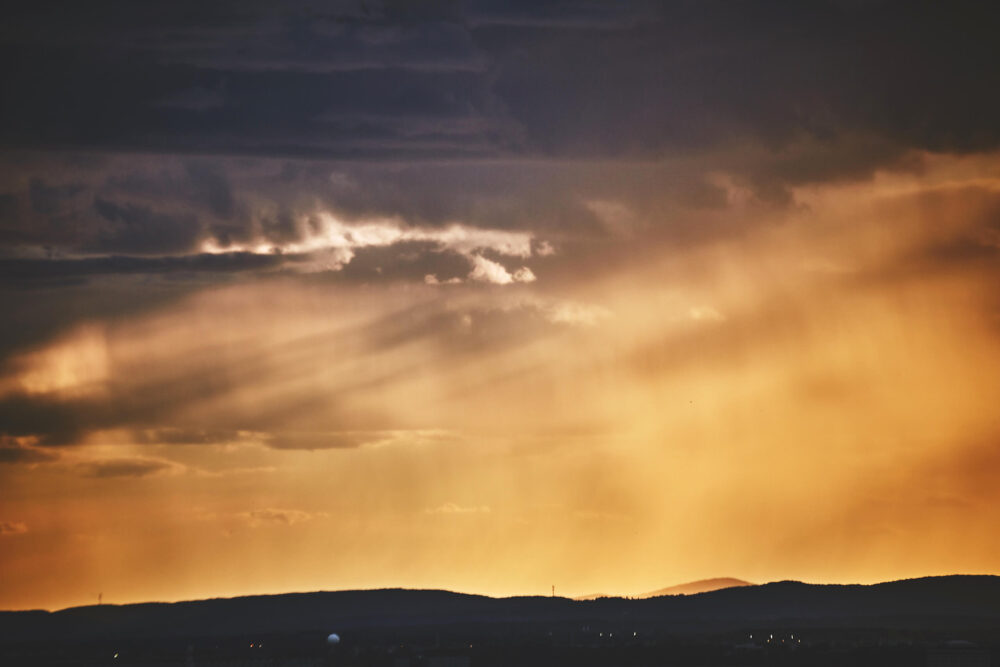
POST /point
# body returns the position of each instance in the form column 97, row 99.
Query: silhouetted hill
column 933, row 602
column 689, row 588
column 700, row 586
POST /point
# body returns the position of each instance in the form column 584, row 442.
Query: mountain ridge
column 697, row 587
column 917, row 603
column 686, row 588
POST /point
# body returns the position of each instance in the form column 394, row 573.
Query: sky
column 495, row 296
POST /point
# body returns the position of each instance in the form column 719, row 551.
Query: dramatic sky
column 491, row 296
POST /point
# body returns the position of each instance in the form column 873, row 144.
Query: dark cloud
column 50, row 420
column 549, row 79
column 138, row 229
column 582, row 15
column 964, row 253
column 47, row 199
column 211, row 187
column 140, row 404
column 11, row 452
column 809, row 93
column 8, row 211
column 319, row 42
column 310, row 441
column 26, row 272
column 201, row 184
column 131, row 467
column 278, row 227
column 197, row 98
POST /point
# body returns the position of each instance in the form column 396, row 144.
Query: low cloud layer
column 130, row 467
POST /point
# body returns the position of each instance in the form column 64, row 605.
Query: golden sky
column 811, row 395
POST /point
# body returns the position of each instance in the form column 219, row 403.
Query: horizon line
column 597, row 596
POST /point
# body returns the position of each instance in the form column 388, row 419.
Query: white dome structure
column 334, row 638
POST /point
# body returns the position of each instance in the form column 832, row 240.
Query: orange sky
column 812, row 396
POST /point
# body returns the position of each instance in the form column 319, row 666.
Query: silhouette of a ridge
column 700, row 586
column 689, row 588
column 940, row 602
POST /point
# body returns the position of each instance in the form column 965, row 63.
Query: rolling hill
column 959, row 601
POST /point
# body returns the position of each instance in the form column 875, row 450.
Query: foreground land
column 931, row 621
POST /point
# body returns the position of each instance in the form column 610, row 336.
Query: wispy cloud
column 126, row 467
column 575, row 313
column 703, row 313
column 454, row 508
column 12, row 528
column 273, row 516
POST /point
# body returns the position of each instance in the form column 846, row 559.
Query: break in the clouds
column 496, row 284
